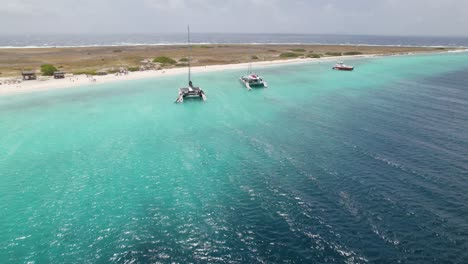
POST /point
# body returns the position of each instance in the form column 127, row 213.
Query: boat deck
column 190, row 92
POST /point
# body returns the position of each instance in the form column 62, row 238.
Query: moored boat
column 190, row 91
column 340, row 66
column 253, row 80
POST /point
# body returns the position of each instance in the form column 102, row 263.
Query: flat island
column 91, row 60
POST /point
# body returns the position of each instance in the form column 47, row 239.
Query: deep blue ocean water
column 48, row 40
column 369, row 166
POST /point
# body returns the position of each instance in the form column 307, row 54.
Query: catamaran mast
column 190, row 53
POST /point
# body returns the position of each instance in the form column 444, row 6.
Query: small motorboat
column 340, row 66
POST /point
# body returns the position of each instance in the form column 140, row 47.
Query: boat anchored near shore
column 340, row 66
column 252, row 80
column 190, row 91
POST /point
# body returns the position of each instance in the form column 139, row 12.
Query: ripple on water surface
column 345, row 169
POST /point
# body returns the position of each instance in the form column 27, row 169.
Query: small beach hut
column 59, row 75
column 29, row 75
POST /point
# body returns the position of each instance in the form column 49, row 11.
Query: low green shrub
column 48, row 69
column 133, row 69
column 333, row 54
column 298, row 50
column 315, row 56
column 289, row 55
column 183, row 60
column 164, row 60
column 254, row 57
column 352, row 53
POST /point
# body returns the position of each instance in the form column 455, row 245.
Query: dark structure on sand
column 29, row 75
column 59, row 75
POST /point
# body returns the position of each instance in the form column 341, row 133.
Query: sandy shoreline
column 83, row 80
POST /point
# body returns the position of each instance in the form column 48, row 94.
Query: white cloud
column 18, row 7
column 163, row 5
column 396, row 17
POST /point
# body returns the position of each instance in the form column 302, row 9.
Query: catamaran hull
column 190, row 91
column 249, row 86
column 184, row 94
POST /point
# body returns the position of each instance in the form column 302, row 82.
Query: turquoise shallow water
column 323, row 166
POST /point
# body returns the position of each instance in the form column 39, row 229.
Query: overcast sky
column 381, row 17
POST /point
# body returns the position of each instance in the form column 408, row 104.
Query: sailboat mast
column 190, row 53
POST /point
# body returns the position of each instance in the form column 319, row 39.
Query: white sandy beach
column 44, row 84
column 48, row 83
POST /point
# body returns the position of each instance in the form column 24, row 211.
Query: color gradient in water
column 321, row 167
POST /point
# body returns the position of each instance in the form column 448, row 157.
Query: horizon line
column 234, row 33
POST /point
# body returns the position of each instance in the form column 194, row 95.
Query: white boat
column 253, row 80
column 190, row 91
column 340, row 66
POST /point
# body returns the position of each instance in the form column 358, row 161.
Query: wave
column 462, row 49
column 85, row 40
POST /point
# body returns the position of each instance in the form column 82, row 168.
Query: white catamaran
column 252, row 80
column 190, row 91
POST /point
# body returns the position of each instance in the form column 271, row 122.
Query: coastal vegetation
column 85, row 72
column 133, row 69
column 204, row 47
column 298, row 50
column 164, row 60
column 87, row 60
column 48, row 69
column 183, row 60
column 352, row 53
column 254, row 57
column 289, row 55
column 315, row 56
column 333, row 54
